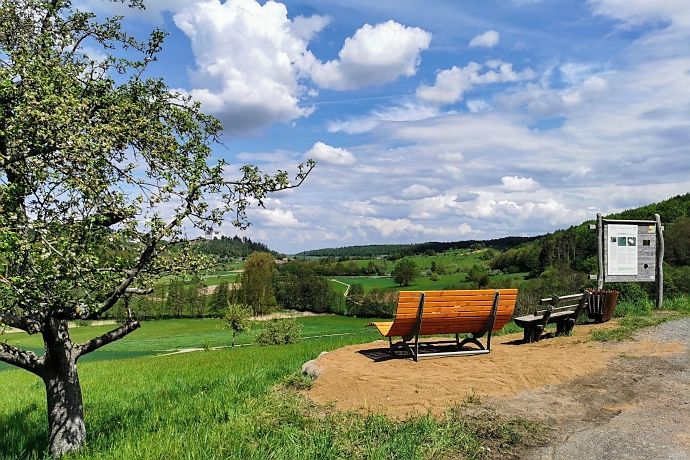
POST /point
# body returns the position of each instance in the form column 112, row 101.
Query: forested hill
column 576, row 247
column 230, row 246
column 376, row 250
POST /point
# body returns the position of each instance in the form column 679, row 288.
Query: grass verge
column 634, row 316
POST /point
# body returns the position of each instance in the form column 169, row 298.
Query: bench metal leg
column 473, row 340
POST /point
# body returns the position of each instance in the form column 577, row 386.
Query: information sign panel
column 622, row 250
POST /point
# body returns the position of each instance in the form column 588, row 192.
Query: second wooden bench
column 563, row 311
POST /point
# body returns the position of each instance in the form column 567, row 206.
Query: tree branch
column 138, row 291
column 94, row 344
column 27, row 325
column 24, row 359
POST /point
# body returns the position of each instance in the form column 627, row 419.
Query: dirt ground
column 601, row 400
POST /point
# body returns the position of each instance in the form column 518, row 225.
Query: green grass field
column 219, row 277
column 164, row 336
column 231, row 404
column 420, row 283
column 454, row 260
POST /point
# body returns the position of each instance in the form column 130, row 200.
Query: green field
column 214, row 279
column 421, row 283
column 229, row 404
column 164, row 336
column 455, row 260
column 456, row 264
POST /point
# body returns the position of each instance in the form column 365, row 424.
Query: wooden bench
column 419, row 313
column 563, row 311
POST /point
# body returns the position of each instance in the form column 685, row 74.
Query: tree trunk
column 63, row 391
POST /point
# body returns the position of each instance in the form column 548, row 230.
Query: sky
column 436, row 120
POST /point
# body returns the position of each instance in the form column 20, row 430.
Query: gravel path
column 638, row 408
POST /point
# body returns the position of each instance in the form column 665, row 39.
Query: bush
column 405, row 272
column 676, row 280
column 279, row 332
column 631, row 292
column 376, row 303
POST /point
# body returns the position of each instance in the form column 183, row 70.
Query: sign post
column 631, row 251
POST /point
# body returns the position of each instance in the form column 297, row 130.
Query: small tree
column 220, row 299
column 405, row 272
column 479, row 275
column 101, row 169
column 256, row 283
column 355, row 295
column 237, row 319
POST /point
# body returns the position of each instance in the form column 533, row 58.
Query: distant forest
column 227, row 247
column 376, row 250
column 576, row 247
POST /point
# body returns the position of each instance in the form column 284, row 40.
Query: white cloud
column 278, row 218
column 362, row 208
column 637, row 12
column 541, row 99
column 519, row 184
column 451, row 84
column 417, row 191
column 392, row 227
column 405, row 112
column 478, row 105
column 488, row 39
column 305, row 27
column 374, row 55
column 434, row 206
column 328, row 154
column 249, row 58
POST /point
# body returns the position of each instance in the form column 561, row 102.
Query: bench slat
column 458, row 292
column 449, row 312
column 564, row 298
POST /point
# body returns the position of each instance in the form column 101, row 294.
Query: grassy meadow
column 236, row 403
column 165, row 336
column 455, row 263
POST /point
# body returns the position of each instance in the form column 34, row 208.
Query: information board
column 622, row 250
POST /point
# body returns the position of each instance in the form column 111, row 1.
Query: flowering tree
column 101, row 170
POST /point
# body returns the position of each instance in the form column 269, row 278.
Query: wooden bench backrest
column 449, row 312
column 567, row 302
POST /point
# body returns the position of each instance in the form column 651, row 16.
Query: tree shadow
column 24, row 433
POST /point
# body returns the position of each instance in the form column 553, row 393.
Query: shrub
column 631, row 292
column 279, row 332
column 405, row 272
column 676, row 280
column 376, row 303
column 237, row 319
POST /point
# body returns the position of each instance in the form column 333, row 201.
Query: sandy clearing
column 352, row 380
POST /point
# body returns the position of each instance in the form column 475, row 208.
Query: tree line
column 404, row 250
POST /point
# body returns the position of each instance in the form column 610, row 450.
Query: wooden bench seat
column 563, row 311
column 476, row 312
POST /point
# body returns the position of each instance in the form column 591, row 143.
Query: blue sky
column 437, row 121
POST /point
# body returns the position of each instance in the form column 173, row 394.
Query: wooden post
column 659, row 262
column 600, row 251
